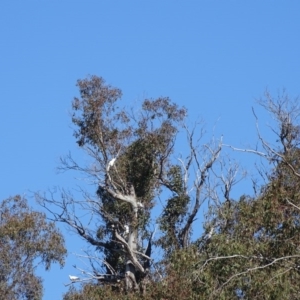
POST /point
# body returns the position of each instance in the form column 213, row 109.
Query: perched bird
column 73, row 278
column 110, row 164
column 209, row 235
column 140, row 205
column 126, row 227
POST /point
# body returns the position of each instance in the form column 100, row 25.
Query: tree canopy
column 26, row 239
column 248, row 247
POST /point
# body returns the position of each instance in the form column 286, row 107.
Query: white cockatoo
column 209, row 235
column 140, row 205
column 74, row 278
column 126, row 227
column 110, row 164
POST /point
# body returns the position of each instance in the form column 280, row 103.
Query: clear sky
column 214, row 57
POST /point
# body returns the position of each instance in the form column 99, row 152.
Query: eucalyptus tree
column 134, row 169
column 254, row 252
column 250, row 246
column 27, row 240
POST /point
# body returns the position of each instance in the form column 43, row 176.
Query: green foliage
column 26, row 239
column 130, row 152
column 89, row 291
column 255, row 253
column 96, row 103
column 175, row 211
column 250, row 248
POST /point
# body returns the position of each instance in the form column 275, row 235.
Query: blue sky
column 214, row 57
